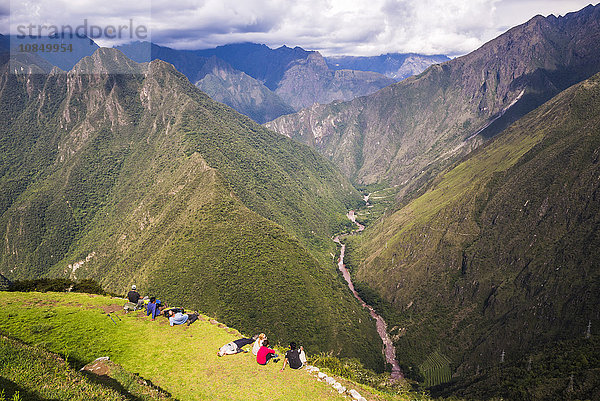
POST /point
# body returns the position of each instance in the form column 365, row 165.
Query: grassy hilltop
column 180, row 362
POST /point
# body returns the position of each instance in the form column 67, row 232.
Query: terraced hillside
column 179, row 360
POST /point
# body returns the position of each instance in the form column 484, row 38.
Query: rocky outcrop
column 308, row 81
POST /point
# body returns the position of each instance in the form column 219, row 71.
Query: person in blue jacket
column 153, row 308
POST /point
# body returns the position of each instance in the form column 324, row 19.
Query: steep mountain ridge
column 309, row 81
column 139, row 177
column 393, row 65
column 405, row 133
column 500, row 255
column 238, row 90
column 258, row 60
column 217, row 78
column 260, row 82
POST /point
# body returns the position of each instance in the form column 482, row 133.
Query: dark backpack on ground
column 192, row 317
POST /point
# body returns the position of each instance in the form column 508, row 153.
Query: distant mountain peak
column 397, row 66
column 404, row 132
column 107, row 61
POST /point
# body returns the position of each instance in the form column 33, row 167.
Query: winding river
column 389, row 351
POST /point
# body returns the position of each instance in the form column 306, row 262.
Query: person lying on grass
column 181, row 318
column 294, row 357
column 234, row 347
column 177, row 318
column 265, row 354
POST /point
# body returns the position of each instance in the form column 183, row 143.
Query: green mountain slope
column 406, row 133
column 139, row 177
column 501, row 253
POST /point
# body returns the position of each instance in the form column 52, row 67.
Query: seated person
column 153, row 308
column 265, row 354
column 177, row 318
column 258, row 343
column 133, row 296
column 294, row 357
column 134, row 300
column 234, row 347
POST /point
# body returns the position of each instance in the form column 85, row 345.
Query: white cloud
column 38, row 16
column 356, row 27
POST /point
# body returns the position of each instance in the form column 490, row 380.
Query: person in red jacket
column 265, row 354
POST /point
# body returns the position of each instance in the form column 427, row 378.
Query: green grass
column 31, row 373
column 181, row 360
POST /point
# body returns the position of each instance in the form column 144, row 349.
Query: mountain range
column 398, row 66
column 406, row 133
column 139, row 177
column 261, row 82
column 257, row 81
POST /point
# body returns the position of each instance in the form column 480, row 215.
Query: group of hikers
column 155, row 307
column 295, row 357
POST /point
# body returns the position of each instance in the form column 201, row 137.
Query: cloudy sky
column 334, row 27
